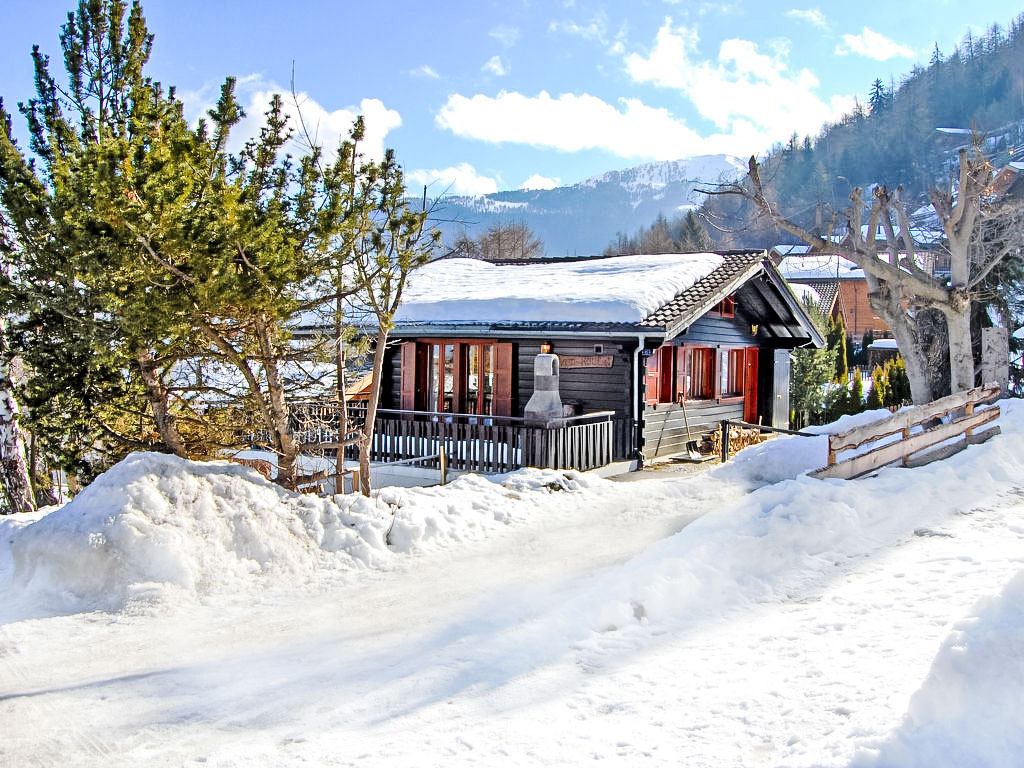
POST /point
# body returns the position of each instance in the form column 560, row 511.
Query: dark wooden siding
column 591, row 389
column 664, row 429
column 712, row 330
column 391, row 386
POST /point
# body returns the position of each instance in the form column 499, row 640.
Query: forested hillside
column 905, row 133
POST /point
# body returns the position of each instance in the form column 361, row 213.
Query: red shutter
column 652, row 379
column 683, row 372
column 503, row 371
column 750, row 386
column 668, row 354
column 408, row 371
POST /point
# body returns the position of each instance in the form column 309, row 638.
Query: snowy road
column 791, row 627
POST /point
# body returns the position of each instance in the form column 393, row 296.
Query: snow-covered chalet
column 644, row 343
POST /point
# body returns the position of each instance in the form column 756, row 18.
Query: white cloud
column 495, row 66
column 425, row 71
column 812, row 16
column 873, row 45
column 571, row 123
column 540, row 182
column 461, row 179
column 744, row 92
column 505, row 35
column 595, row 29
column 325, row 126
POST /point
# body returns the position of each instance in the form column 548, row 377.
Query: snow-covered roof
column 792, row 250
column 621, row 289
column 921, row 235
column 804, row 292
column 883, row 344
column 819, row 266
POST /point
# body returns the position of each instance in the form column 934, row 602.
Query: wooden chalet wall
column 664, row 425
column 589, row 389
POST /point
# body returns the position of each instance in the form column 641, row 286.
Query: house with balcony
column 645, row 344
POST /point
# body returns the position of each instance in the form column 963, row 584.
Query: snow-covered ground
column 182, row 614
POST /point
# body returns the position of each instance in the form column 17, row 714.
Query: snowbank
column 786, row 457
column 155, row 523
column 158, row 527
column 788, row 536
column 968, row 712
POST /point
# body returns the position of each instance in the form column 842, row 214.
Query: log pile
column 739, row 438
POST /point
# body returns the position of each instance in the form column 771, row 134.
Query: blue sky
column 482, row 96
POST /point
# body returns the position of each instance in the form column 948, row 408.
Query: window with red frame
column 726, row 307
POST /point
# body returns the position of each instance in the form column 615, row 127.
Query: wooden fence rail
column 915, row 433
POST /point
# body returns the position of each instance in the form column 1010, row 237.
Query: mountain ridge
column 583, row 218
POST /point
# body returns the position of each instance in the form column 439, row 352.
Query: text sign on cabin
column 585, row 361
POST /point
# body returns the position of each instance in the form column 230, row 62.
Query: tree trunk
column 287, row 447
column 13, row 458
column 961, row 354
column 885, row 302
column 371, row 414
column 156, row 392
column 340, row 364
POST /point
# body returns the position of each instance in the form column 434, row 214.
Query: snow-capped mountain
column 582, row 219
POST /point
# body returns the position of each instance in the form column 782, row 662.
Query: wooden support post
column 725, row 441
column 444, row 466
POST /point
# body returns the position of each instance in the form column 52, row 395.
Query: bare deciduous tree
column 979, row 232
column 501, row 242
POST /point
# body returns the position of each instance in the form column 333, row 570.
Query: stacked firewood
column 739, row 438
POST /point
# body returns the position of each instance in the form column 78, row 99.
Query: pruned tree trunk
column 885, row 303
column 961, row 354
column 371, row 413
column 17, row 484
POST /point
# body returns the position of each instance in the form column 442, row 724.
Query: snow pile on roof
column 884, row 344
column 792, row 250
column 624, row 289
column 818, row 266
column 805, row 293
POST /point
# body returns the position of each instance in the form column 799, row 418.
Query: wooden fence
column 916, row 434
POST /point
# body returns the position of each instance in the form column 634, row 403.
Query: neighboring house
column 841, row 285
column 882, row 351
column 1009, row 181
column 638, row 338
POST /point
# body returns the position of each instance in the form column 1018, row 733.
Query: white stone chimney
column 545, row 404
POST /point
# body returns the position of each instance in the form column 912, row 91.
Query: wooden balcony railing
column 474, row 443
column 493, row 444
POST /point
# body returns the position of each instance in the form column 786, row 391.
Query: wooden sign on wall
column 581, row 361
